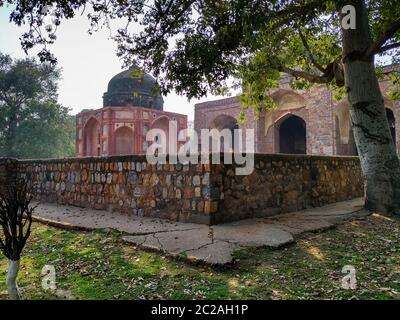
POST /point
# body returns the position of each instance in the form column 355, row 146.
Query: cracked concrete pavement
column 210, row 244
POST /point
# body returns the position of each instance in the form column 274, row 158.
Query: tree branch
column 389, row 47
column 296, row 9
column 382, row 38
column 311, row 56
column 326, row 78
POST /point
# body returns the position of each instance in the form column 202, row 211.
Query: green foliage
column 52, row 135
column 257, row 78
column 394, row 92
column 242, row 118
column 339, row 93
column 33, row 124
column 196, row 47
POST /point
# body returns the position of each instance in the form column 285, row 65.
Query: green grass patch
column 98, row 265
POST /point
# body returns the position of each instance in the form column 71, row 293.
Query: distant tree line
column 32, row 123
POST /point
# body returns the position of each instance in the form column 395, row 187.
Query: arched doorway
column 124, row 141
column 92, row 135
column 292, row 135
column 392, row 123
column 222, row 122
column 162, row 124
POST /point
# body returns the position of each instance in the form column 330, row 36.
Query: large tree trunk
column 379, row 161
column 12, row 288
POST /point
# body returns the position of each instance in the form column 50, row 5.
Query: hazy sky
column 88, row 62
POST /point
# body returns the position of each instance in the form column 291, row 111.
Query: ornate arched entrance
column 162, row 124
column 222, row 122
column 124, row 141
column 292, row 135
column 92, row 136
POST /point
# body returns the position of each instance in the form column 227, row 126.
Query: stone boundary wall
column 8, row 171
column 124, row 183
column 286, row 183
column 206, row 194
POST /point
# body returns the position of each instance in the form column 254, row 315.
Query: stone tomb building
column 131, row 107
column 110, row 171
column 305, row 122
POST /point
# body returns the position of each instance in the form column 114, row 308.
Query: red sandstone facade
column 131, row 107
column 120, row 130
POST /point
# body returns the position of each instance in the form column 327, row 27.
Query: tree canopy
column 32, row 123
column 195, row 46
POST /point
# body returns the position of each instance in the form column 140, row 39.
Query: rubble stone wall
column 286, row 183
column 200, row 193
column 124, row 183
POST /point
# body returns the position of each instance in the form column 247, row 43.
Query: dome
column 133, row 88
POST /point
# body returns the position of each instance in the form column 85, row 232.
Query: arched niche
column 285, row 100
column 92, row 137
column 162, row 123
column 124, row 141
column 222, row 122
column 344, row 124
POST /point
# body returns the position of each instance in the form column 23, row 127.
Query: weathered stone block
column 210, row 207
column 210, row 193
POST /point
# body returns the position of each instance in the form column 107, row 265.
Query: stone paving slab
column 218, row 252
column 174, row 242
column 210, row 244
column 90, row 219
column 250, row 233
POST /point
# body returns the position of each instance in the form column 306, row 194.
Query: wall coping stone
column 123, row 158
